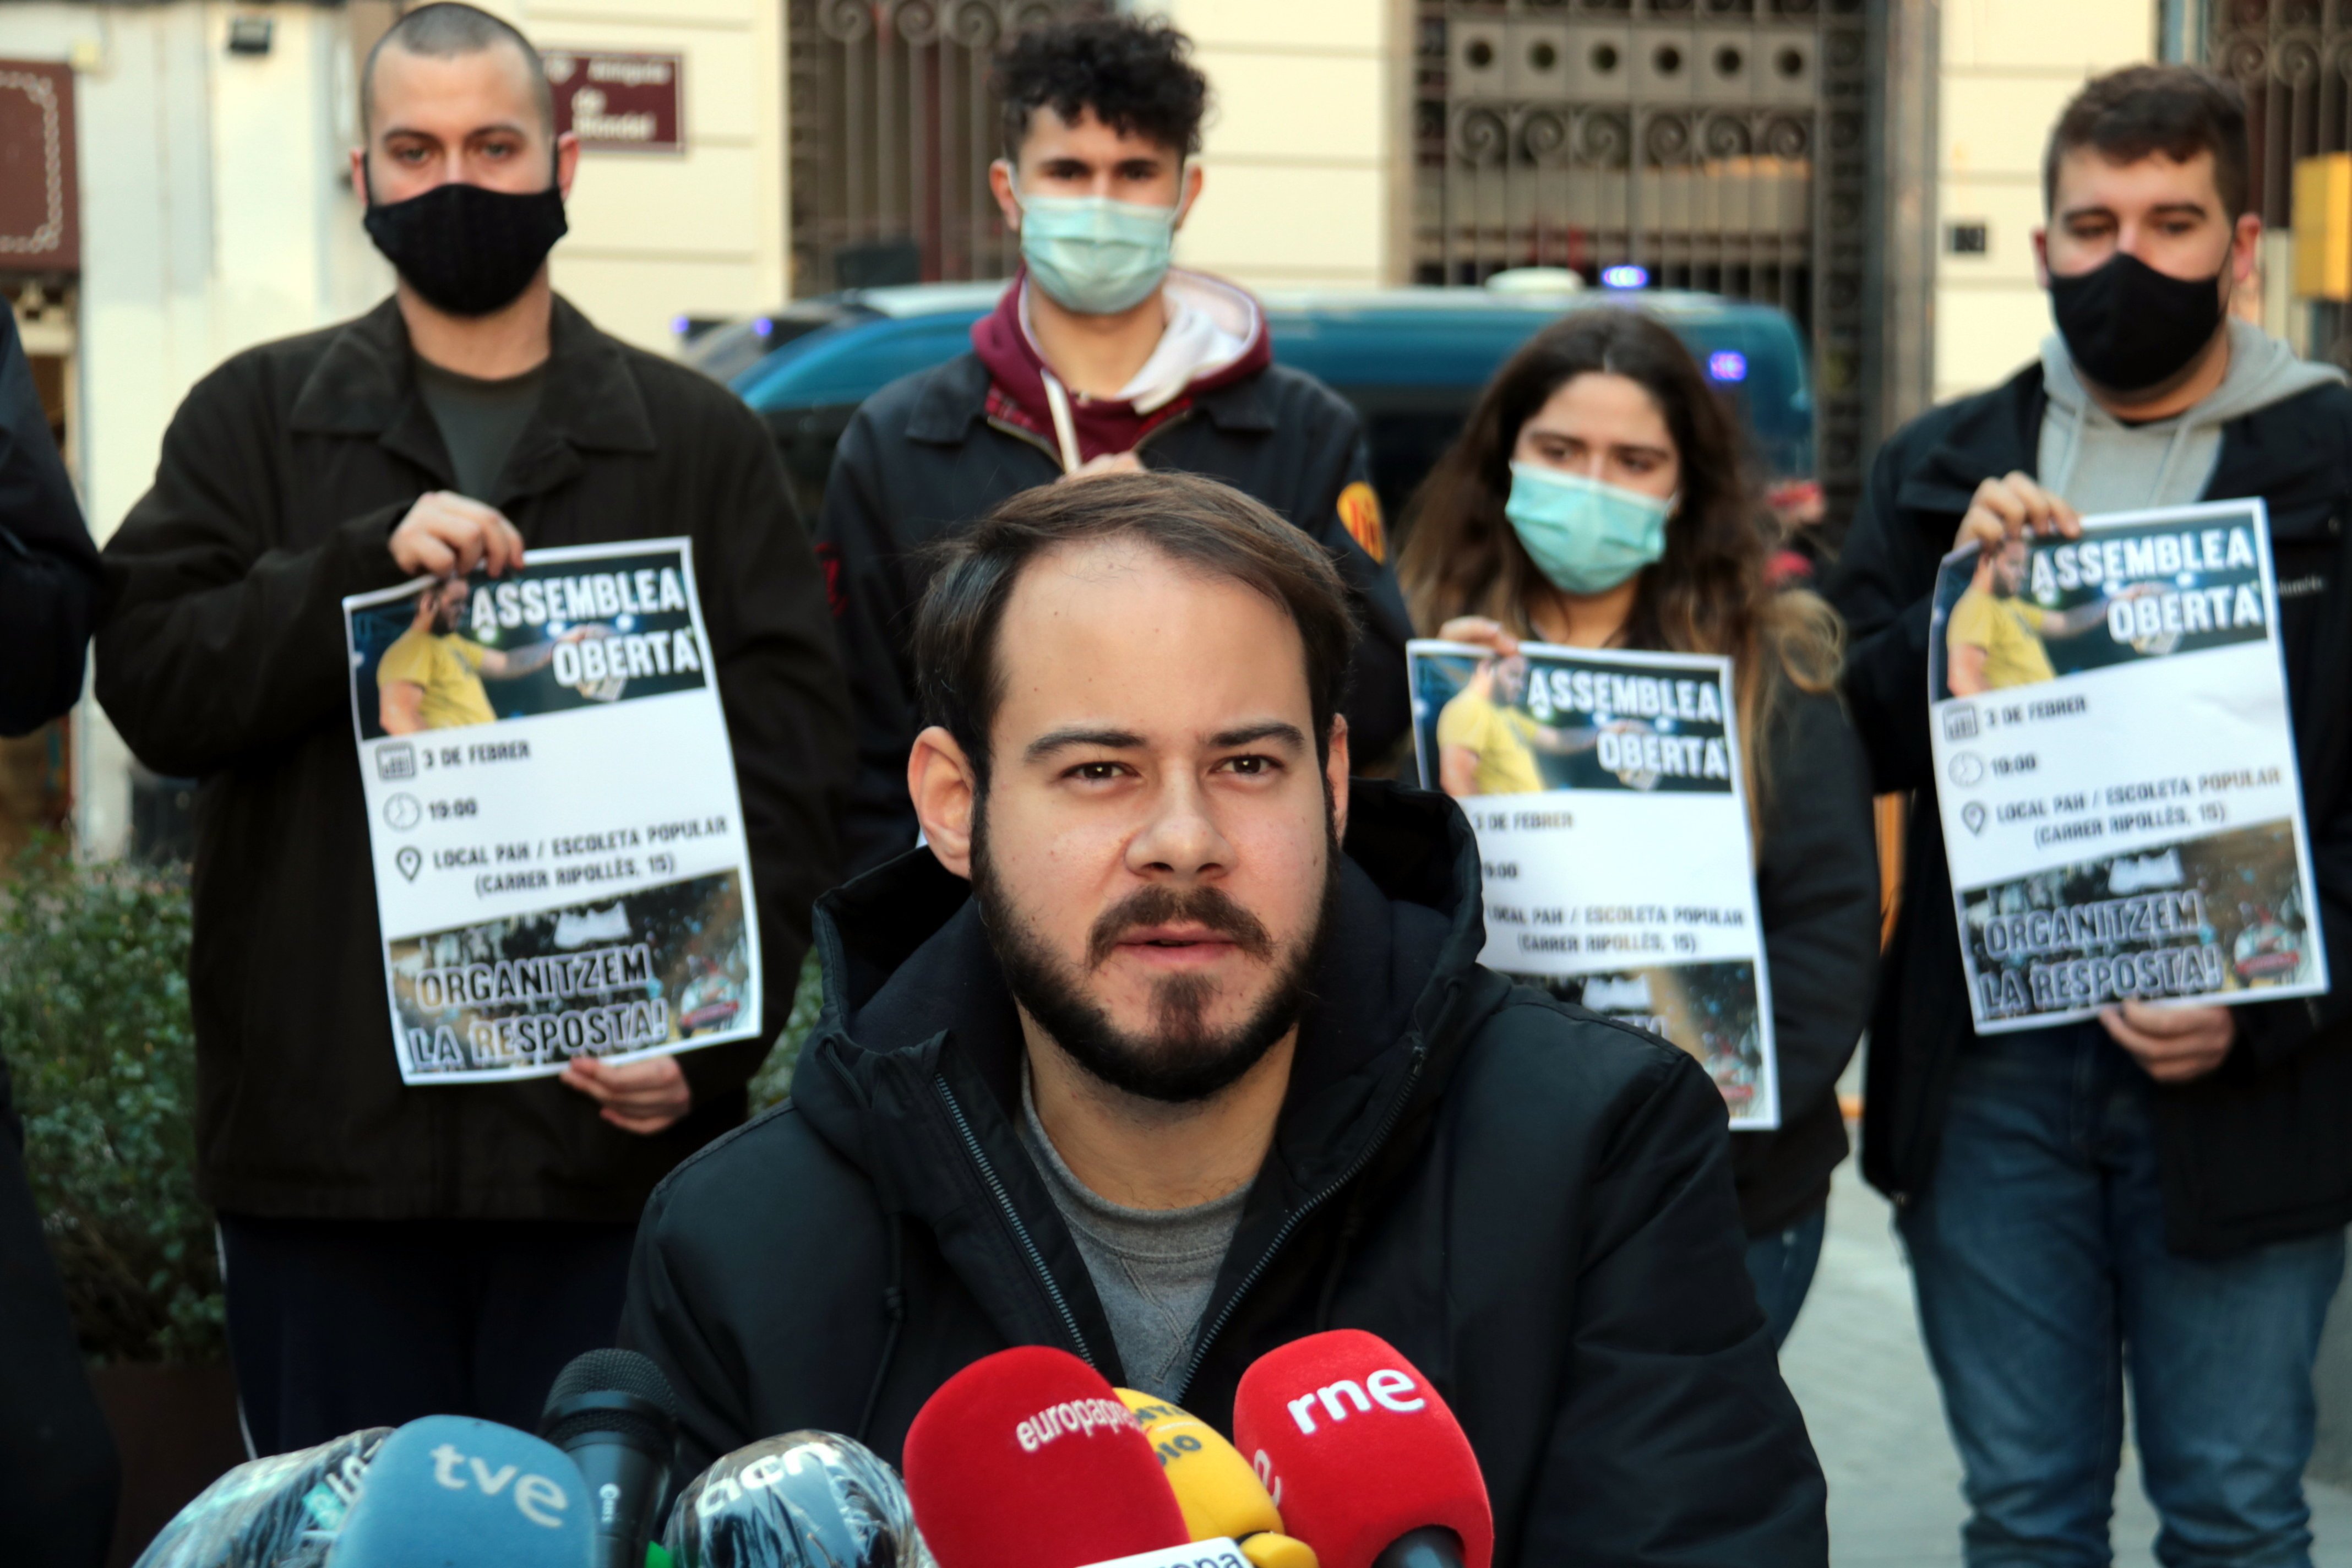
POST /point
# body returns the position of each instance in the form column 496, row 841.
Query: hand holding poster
column 559, row 862
column 1605, row 788
column 2116, row 772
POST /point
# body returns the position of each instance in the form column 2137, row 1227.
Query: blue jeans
column 1781, row 1263
column 2038, row 1255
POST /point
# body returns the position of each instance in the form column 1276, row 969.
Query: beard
column 1182, row 1060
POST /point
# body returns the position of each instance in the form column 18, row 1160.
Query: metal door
column 1717, row 145
column 892, row 131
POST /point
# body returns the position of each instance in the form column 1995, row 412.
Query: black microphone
column 806, row 1500
column 612, row 1413
column 1433, row 1547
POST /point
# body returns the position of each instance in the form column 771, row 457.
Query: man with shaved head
column 394, row 1251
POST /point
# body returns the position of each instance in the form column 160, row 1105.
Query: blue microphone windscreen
column 450, row 1491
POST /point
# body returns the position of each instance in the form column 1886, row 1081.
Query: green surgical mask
column 1586, row 537
column 1095, row 256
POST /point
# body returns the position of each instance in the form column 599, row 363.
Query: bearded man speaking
column 392, row 1252
column 1171, row 1046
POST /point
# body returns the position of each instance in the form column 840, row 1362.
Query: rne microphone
column 806, row 1500
column 449, row 1492
column 1026, row 1459
column 1362, row 1456
column 281, row 1511
column 1220, row 1494
column 612, row 1413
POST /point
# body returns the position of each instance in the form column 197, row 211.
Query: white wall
column 2008, row 67
column 659, row 236
column 1298, row 150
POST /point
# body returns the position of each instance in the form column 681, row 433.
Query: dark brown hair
column 1199, row 525
column 2141, row 111
column 446, row 30
column 1707, row 594
column 1136, row 75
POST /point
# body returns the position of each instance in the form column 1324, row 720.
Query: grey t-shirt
column 1153, row 1269
column 479, row 420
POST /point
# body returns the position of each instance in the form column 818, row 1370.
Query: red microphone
column 1027, row 1458
column 1363, row 1459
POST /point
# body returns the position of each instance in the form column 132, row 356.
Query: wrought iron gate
column 2294, row 60
column 1716, row 144
column 892, row 129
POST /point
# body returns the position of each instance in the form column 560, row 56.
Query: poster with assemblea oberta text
column 1607, row 793
column 2115, row 770
column 559, row 862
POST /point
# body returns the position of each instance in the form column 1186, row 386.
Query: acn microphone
column 1026, row 1459
column 450, row 1491
column 1362, row 1457
column 806, row 1500
column 613, row 1412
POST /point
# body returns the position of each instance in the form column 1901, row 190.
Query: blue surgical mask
column 1095, row 256
column 1586, row 537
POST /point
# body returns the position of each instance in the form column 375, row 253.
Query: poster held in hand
column 2115, row 770
column 559, row 862
column 1606, row 790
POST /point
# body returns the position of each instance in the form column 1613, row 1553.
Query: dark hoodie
column 1535, row 1206
column 932, row 453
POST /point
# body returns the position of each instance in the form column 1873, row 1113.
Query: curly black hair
column 1136, row 75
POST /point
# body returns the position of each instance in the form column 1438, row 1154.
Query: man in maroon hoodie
column 1099, row 357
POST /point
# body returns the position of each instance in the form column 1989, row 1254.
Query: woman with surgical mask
column 1597, row 498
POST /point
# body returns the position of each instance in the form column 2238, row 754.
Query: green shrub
column 94, row 1022
column 774, row 1079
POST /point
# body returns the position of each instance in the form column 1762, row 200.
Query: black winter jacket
column 1817, row 898
column 1534, row 1204
column 281, row 478
column 49, row 578
column 2256, row 1151
column 922, row 459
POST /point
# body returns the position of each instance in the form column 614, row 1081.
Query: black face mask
column 465, row 249
column 2130, row 327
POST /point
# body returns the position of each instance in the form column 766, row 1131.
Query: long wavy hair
column 1708, row 594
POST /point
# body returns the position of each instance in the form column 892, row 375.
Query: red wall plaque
column 40, row 202
column 619, row 102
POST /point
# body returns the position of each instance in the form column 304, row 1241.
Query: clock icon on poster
column 402, row 812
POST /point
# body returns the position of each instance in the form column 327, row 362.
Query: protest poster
column 1607, row 794
column 2115, row 770
column 559, row 862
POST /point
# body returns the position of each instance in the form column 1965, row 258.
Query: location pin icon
column 410, row 861
column 1973, row 814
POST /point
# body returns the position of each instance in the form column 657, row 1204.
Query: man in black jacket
column 57, row 1468
column 1098, row 357
column 2169, row 1184
column 1136, row 1059
column 394, row 1251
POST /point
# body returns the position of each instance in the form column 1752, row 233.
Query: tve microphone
column 1363, row 1459
column 613, row 1412
column 806, row 1500
column 1027, row 1459
column 281, row 1511
column 1220, row 1494
column 450, row 1491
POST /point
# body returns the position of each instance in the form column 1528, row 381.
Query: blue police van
column 1412, row 361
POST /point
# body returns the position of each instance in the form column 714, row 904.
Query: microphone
column 279, row 1511
column 612, row 1413
column 1360, row 1454
column 806, row 1500
column 1220, row 1495
column 449, row 1492
column 1027, row 1459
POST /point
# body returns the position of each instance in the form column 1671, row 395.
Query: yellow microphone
column 1220, row 1494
